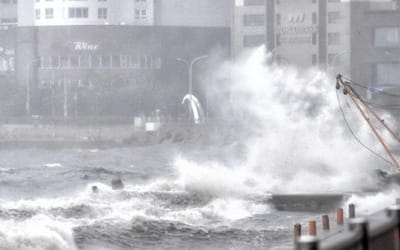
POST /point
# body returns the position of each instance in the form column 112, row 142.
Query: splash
column 294, row 137
column 195, row 108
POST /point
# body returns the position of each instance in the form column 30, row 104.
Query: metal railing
column 379, row 231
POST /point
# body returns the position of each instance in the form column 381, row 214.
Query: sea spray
column 296, row 141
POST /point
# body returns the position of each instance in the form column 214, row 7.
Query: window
column 253, row 40
column 387, row 37
column 49, row 13
column 116, row 62
column 333, row 38
column 388, row 74
column 314, row 60
column 333, row 16
column 278, row 19
column 74, row 61
column 78, row 12
column 96, row 61
column 106, row 61
column 314, row 18
column 85, row 61
column 102, row 13
column 253, row 2
column 314, row 38
column 124, row 61
column 253, row 20
column 55, row 62
column 333, row 59
column 140, row 14
column 37, row 14
column 64, row 61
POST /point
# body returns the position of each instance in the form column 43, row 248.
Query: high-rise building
column 359, row 38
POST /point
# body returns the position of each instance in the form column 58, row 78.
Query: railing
column 379, row 231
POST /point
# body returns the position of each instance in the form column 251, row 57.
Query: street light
column 190, row 68
column 28, row 87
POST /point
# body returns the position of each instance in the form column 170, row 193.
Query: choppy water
column 47, row 203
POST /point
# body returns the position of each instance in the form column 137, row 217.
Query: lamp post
column 190, row 68
column 28, row 87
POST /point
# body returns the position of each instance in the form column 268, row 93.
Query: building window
column 334, row 59
column 278, row 40
column 388, row 74
column 106, row 61
column 314, row 38
column 333, row 38
column 253, row 40
column 314, row 18
column 333, row 16
column 102, row 13
column 78, row 12
column 278, row 19
column 74, row 61
column 140, row 14
column 314, row 60
column 116, row 61
column 55, row 61
column 85, row 61
column 49, row 13
column 254, row 2
column 96, row 61
column 37, row 14
column 387, row 37
column 253, row 20
column 64, row 61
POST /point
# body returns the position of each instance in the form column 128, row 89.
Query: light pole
column 190, row 68
column 28, row 87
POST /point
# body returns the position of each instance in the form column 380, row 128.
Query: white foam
column 37, row 233
column 371, row 203
column 53, row 165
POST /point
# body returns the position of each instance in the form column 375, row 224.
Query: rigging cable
column 355, row 136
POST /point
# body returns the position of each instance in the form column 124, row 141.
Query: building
column 112, row 57
column 305, row 33
column 359, row 39
column 375, row 50
column 249, row 25
column 206, row 13
column 89, row 12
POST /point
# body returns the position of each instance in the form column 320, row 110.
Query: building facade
column 356, row 38
column 305, row 33
column 376, row 50
column 86, row 12
column 108, row 57
column 76, row 71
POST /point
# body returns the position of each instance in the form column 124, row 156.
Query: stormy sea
column 209, row 192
